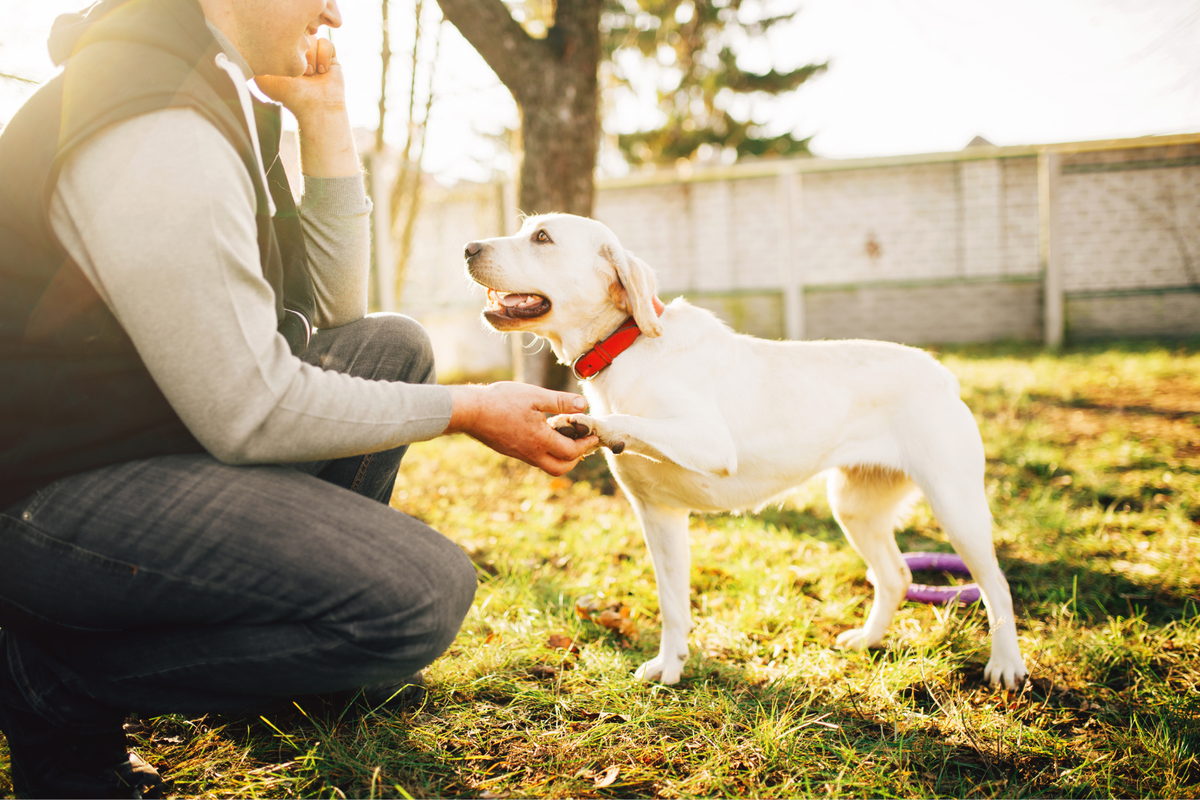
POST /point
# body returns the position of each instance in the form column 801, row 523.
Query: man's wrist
column 327, row 148
column 465, row 404
column 321, row 115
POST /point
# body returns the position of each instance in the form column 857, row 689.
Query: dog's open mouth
column 513, row 305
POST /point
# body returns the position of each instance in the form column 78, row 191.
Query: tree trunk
column 555, row 83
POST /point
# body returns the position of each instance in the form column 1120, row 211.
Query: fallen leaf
column 542, row 671
column 586, row 606
column 609, row 776
column 615, row 617
column 558, row 641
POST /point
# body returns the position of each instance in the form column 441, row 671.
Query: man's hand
column 320, row 89
column 510, row 418
column 318, row 101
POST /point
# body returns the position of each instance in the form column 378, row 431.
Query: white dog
column 710, row 420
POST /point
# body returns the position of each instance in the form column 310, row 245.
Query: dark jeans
column 184, row 585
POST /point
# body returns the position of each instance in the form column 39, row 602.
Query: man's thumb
column 568, row 403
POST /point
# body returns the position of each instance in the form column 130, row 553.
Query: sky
column 905, row 76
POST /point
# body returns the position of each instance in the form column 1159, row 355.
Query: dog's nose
column 472, row 248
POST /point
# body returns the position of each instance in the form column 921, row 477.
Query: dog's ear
column 635, row 289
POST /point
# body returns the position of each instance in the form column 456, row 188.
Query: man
column 194, row 483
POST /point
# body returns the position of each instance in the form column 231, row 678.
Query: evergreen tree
column 699, row 41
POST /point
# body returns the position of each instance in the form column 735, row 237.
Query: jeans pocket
column 26, row 509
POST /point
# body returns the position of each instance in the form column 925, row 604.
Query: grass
column 1094, row 479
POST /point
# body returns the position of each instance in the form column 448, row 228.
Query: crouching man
column 200, row 427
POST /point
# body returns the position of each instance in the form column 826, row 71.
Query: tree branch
column 505, row 46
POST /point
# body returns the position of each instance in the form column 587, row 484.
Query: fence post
column 1050, row 247
column 790, row 279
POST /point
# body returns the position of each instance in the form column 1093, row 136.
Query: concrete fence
column 1042, row 243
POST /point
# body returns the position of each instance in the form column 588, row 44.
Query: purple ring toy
column 941, row 562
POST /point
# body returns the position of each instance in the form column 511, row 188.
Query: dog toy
column 940, row 562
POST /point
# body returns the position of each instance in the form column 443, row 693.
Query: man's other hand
column 510, row 418
column 321, row 89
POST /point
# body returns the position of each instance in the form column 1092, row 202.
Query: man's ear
column 635, row 289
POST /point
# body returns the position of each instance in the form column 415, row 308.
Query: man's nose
column 332, row 15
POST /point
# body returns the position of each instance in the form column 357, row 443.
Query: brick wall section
column 931, row 221
column 1159, row 314
column 950, row 313
column 1131, row 222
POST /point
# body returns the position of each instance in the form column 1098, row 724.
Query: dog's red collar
column 593, row 362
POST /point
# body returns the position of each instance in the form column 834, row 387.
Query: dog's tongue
column 520, row 300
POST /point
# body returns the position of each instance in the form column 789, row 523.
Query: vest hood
column 165, row 24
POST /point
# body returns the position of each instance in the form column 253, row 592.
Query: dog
column 698, row 418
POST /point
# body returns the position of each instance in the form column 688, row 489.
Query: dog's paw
column 577, row 426
column 854, row 639
column 1005, row 673
column 666, row 670
column 572, row 426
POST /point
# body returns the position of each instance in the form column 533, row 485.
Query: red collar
column 591, row 363
column 588, row 365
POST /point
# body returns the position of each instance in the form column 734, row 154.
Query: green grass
column 1094, row 480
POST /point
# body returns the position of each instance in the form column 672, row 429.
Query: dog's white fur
column 711, row 420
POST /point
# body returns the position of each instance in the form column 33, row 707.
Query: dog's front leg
column 666, row 532
column 701, row 441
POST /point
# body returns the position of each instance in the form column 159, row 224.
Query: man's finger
column 558, row 466
column 326, row 55
column 564, row 449
column 310, row 55
column 560, row 402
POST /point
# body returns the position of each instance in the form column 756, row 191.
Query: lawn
column 1094, row 480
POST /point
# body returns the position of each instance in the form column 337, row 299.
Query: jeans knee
column 458, row 583
column 413, row 616
column 405, row 337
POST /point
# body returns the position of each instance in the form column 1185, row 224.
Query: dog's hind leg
column 960, row 505
column 866, row 502
column 666, row 532
column 951, row 475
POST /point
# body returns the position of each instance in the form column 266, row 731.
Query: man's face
column 273, row 35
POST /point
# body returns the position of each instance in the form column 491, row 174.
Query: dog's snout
column 471, row 249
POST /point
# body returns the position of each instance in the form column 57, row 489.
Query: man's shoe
column 48, row 761
column 399, row 696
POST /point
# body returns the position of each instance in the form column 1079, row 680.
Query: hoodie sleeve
column 170, row 243
column 335, row 214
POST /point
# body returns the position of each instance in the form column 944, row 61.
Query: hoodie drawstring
column 239, row 81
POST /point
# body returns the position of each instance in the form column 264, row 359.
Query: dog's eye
column 541, row 237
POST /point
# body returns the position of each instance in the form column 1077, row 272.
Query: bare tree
column 386, row 57
column 380, row 175
column 406, row 193
column 396, row 182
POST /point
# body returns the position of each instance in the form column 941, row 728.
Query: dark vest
column 74, row 395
